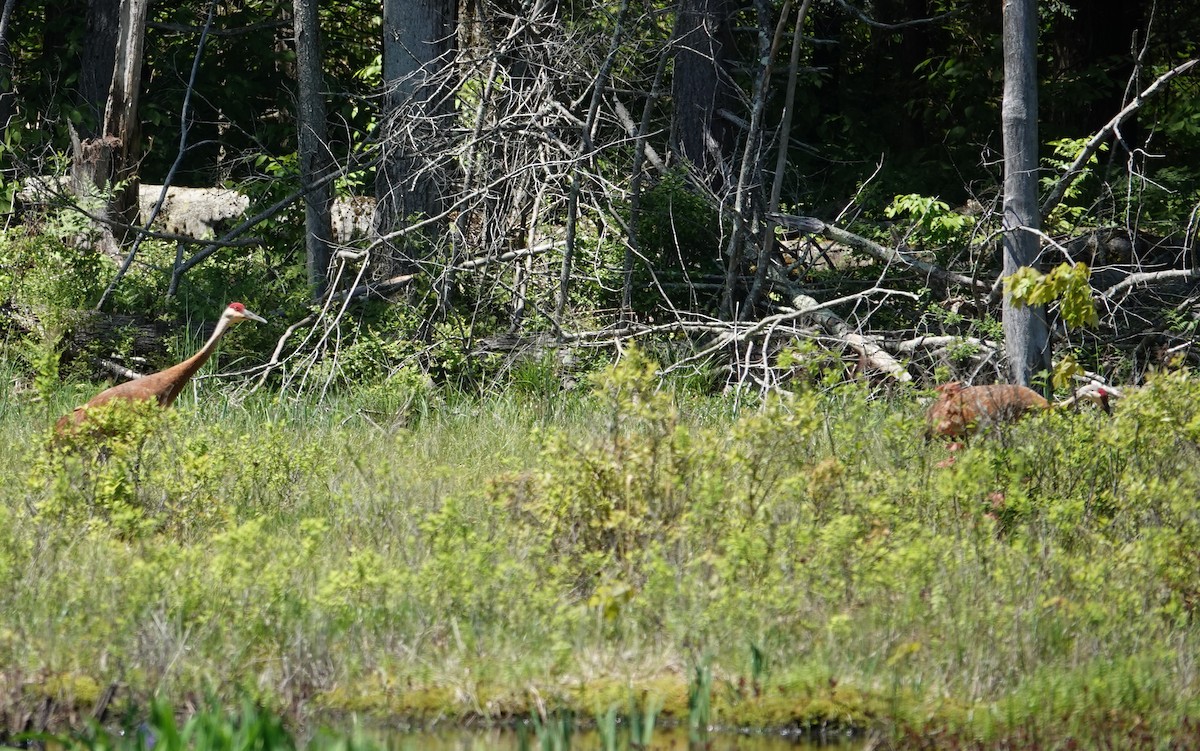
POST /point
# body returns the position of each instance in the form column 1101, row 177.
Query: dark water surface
column 664, row 739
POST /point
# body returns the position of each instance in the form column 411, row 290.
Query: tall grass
column 484, row 557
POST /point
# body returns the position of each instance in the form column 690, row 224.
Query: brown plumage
column 965, row 410
column 165, row 385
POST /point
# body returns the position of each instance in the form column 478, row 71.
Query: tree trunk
column 314, row 154
column 1026, row 334
column 418, row 38
column 701, row 86
column 97, row 54
column 6, row 89
column 111, row 159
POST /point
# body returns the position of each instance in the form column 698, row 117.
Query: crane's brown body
column 166, row 385
column 961, row 410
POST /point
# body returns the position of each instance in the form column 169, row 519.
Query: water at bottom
column 529, row 738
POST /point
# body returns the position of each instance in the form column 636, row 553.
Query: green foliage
column 42, row 272
column 1067, row 284
column 679, row 234
column 625, row 497
column 92, row 472
column 611, row 511
column 401, row 393
column 1171, row 193
column 1072, row 208
column 41, row 355
column 1066, row 370
column 677, row 225
column 934, row 223
column 129, row 467
column 370, row 359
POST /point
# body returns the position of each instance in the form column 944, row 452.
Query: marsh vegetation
column 803, row 560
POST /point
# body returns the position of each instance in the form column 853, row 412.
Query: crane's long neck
column 1100, row 400
column 183, row 372
column 1068, row 403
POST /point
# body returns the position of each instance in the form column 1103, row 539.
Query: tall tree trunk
column 121, row 119
column 1026, row 333
column 6, row 89
column 97, row 54
column 313, row 143
column 418, row 38
column 111, row 159
column 701, row 86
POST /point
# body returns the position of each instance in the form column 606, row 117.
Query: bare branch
column 875, row 355
column 1060, row 188
column 1147, row 277
column 812, row 225
column 862, row 16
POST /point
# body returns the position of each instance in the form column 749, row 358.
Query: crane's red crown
column 238, row 307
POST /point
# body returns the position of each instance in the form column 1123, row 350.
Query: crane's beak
column 254, row 316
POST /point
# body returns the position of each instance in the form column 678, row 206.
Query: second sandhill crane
column 164, row 386
column 961, row 410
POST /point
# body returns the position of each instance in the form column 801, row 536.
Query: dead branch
column 875, row 355
column 382, row 288
column 1060, row 188
column 1146, row 277
column 939, row 342
column 117, row 369
column 811, row 225
column 633, row 130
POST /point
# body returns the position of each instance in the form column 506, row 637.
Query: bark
column 153, row 211
column 121, row 111
column 110, row 159
column 1026, row 334
column 96, row 58
column 6, row 92
column 701, row 87
column 418, row 39
column 314, row 153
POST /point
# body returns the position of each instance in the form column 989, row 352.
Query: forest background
column 560, row 174
column 452, row 214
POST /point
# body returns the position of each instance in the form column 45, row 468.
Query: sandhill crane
column 165, row 385
column 964, row 410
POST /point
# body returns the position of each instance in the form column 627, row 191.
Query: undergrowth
column 483, row 558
